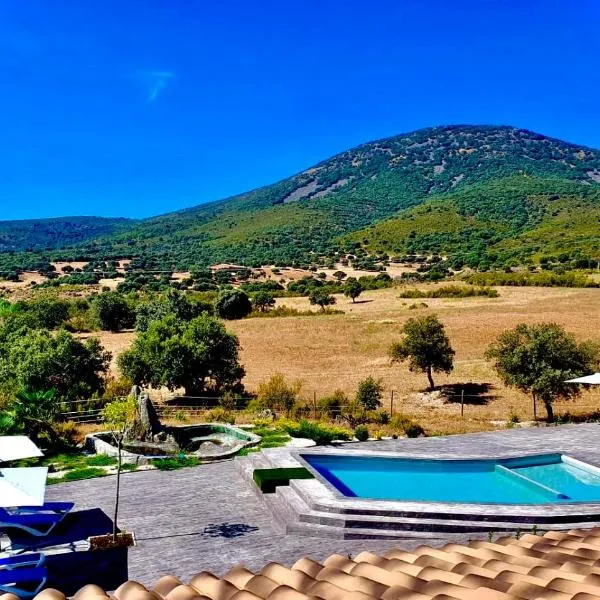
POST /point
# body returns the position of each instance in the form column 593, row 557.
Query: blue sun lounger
column 38, row 524
column 61, row 508
column 24, row 583
column 35, row 559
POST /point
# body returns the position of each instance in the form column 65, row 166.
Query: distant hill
column 456, row 189
column 49, row 234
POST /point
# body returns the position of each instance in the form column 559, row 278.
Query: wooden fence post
column 314, row 405
column 462, row 403
column 392, row 404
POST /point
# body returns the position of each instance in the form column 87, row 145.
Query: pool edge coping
column 320, row 494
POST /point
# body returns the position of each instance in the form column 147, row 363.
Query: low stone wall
column 94, row 444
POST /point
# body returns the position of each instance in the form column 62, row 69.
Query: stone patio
column 210, row 518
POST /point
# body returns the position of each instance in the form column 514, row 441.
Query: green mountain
column 455, row 189
column 48, row 234
column 501, row 222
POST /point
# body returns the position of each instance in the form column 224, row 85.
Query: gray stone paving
column 208, row 517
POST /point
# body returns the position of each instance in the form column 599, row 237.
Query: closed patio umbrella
column 23, row 486
column 587, row 379
column 15, row 447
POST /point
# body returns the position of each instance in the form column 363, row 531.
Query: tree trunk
column 549, row 411
column 115, row 527
column 430, row 379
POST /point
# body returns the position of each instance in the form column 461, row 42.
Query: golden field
column 336, row 351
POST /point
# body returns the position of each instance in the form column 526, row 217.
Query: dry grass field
column 336, row 351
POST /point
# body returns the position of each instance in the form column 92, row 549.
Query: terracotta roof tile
column 557, row 566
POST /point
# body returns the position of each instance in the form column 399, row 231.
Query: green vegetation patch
column 450, row 291
column 77, row 474
column 177, row 462
column 268, row 479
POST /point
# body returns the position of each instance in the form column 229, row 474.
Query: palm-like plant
column 33, row 412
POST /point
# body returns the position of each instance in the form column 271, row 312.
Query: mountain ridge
column 317, row 210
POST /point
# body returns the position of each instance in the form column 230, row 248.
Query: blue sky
column 138, row 107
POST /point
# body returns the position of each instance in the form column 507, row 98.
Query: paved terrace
column 208, row 518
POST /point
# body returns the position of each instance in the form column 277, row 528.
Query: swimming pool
column 542, row 479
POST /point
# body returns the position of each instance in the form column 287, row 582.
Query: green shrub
column 219, row 415
column 174, row 463
column 369, row 393
column 379, row 417
column 450, row 291
column 332, row 406
column 414, row 430
column 320, row 433
column 101, row 460
column 84, row 473
column 361, row 433
column 405, row 424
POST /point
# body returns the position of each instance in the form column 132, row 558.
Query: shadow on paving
column 213, row 530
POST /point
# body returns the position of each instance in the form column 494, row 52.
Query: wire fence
column 454, row 405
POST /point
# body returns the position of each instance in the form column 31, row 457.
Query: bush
column 332, row 406
column 406, row 425
column 450, row 291
column 320, row 433
column 178, row 462
column 361, row 433
column 369, row 393
column 219, row 415
column 380, row 417
column 233, row 304
column 112, row 312
column 277, row 394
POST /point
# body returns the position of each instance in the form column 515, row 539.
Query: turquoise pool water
column 529, row 480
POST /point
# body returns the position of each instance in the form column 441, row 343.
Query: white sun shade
column 589, row 379
column 24, row 486
column 15, row 447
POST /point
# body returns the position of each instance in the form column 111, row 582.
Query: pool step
column 326, row 531
column 390, row 525
column 525, row 520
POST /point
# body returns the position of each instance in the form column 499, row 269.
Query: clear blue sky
column 138, row 107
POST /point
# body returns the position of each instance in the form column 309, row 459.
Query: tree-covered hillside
column 497, row 223
column 48, row 234
column 483, row 184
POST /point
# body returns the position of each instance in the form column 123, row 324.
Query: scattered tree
column 200, row 356
column 538, row 359
column 352, row 289
column 263, row 301
column 369, row 393
column 233, row 304
column 112, row 311
column 321, row 297
column 339, row 275
column 171, row 302
column 426, row 346
column 41, row 360
column 119, row 415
